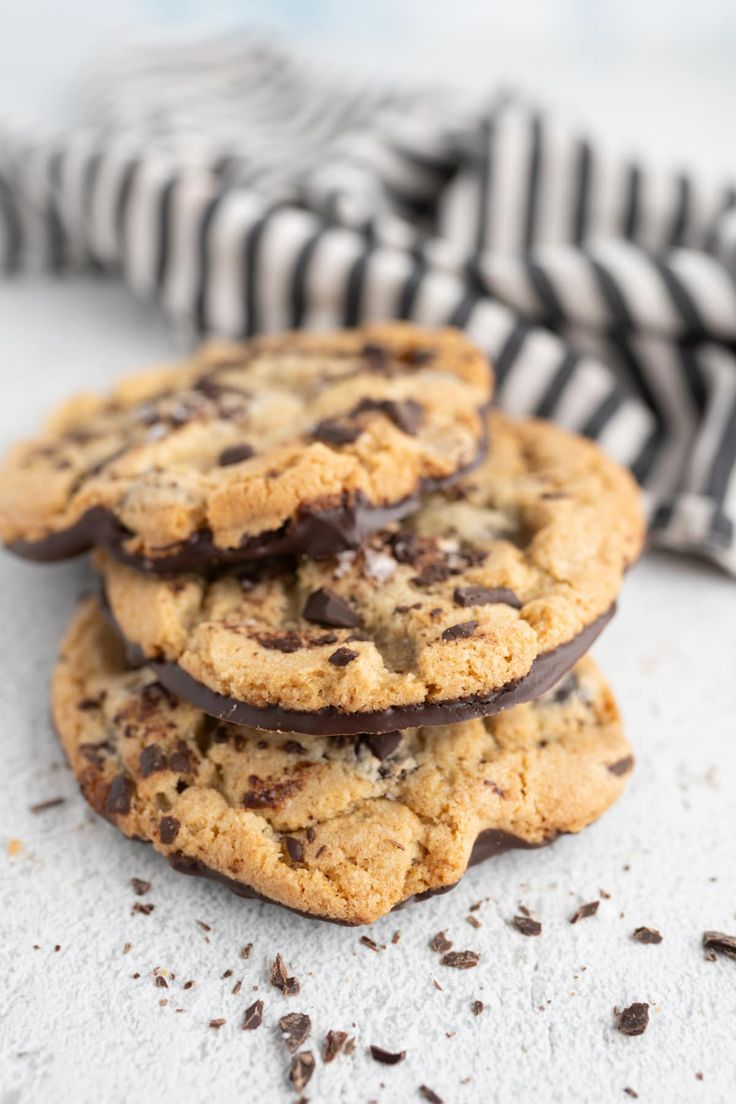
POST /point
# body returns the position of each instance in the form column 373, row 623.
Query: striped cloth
column 246, row 191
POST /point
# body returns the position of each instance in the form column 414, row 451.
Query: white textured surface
column 74, row 1026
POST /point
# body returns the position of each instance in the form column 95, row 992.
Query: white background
column 658, row 78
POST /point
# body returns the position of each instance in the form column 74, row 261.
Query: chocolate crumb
column 386, row 1057
column 584, row 911
column 461, row 631
column 634, row 1019
column 227, row 974
column 342, row 657
column 246, row 951
column 203, row 926
column 42, row 806
column 720, row 943
column 396, row 937
column 302, row 1068
column 334, row 1042
column 168, row 829
column 527, row 925
column 477, row 1007
column 161, row 982
column 146, row 910
column 237, row 987
column 631, row 1092
column 440, row 943
column 295, row 1029
column 253, row 1016
column 127, row 948
column 187, row 985
column 461, row 960
column 289, row 986
column 474, row 921
column 217, row 1024
column 485, row 596
column 139, row 886
column 370, row 943
column 647, row 935
column 430, row 1095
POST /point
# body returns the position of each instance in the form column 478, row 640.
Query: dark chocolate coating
column 491, row 842
column 547, row 669
column 313, row 532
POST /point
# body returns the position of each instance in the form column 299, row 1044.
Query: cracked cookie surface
column 342, row 829
column 293, row 443
column 481, row 599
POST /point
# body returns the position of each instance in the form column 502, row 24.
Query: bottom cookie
column 340, row 828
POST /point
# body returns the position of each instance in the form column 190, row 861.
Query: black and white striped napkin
column 245, row 191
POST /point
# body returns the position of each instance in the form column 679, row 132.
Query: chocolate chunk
column 234, row 454
column 334, row 431
column 430, row 1095
column 42, row 806
column 622, row 766
column 584, row 911
column 324, row 607
column 386, row 1057
column 381, row 745
column 634, row 1019
column 527, row 925
column 461, row 631
column 477, row 1007
column 434, row 571
column 295, row 847
column 485, row 596
column 140, row 888
column 334, row 1042
column 647, row 935
column 281, row 642
column 151, row 760
column 342, row 657
column 217, row 1024
column 302, row 1068
column 295, row 1029
column 168, row 829
column 440, row 943
column 120, row 795
column 180, row 762
column 461, row 960
column 280, row 979
column 720, row 943
column 406, row 414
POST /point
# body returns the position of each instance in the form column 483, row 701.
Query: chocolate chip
column 622, row 766
column 120, row 795
column 461, row 631
column 295, row 847
column 234, row 454
column 342, row 657
column 386, row 1057
column 634, row 1019
column 477, row 1007
column 324, row 607
column 302, row 1068
column 334, row 1042
column 461, row 960
column 280, row 979
column 281, row 642
column 333, row 431
column 584, row 911
column 647, row 935
column 42, row 806
column 405, row 414
column 720, row 943
column 140, row 888
column 180, row 762
column 295, row 1029
column 527, row 925
column 311, row 834
column 293, row 747
column 440, row 943
column 151, row 760
column 380, row 744
column 485, row 596
column 430, row 1095
column 168, row 829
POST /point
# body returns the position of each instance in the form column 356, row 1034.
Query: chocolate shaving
column 120, row 795
column 280, row 979
column 342, row 657
column 233, row 454
column 634, row 1019
column 324, row 607
column 720, row 943
column 430, row 1095
column 42, row 806
column 647, row 935
column 302, row 1068
column 168, row 829
column 386, row 1057
column 485, row 596
column 295, row 1029
column 461, row 631
column 584, row 911
column 253, row 1016
column 527, row 925
column 334, row 1042
column 461, row 960
column 440, row 943
column 140, row 887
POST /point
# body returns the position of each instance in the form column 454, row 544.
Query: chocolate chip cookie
column 339, row 828
column 300, row 443
column 482, row 599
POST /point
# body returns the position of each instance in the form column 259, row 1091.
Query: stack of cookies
column 338, row 651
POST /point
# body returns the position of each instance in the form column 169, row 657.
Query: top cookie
column 482, row 599
column 299, row 443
